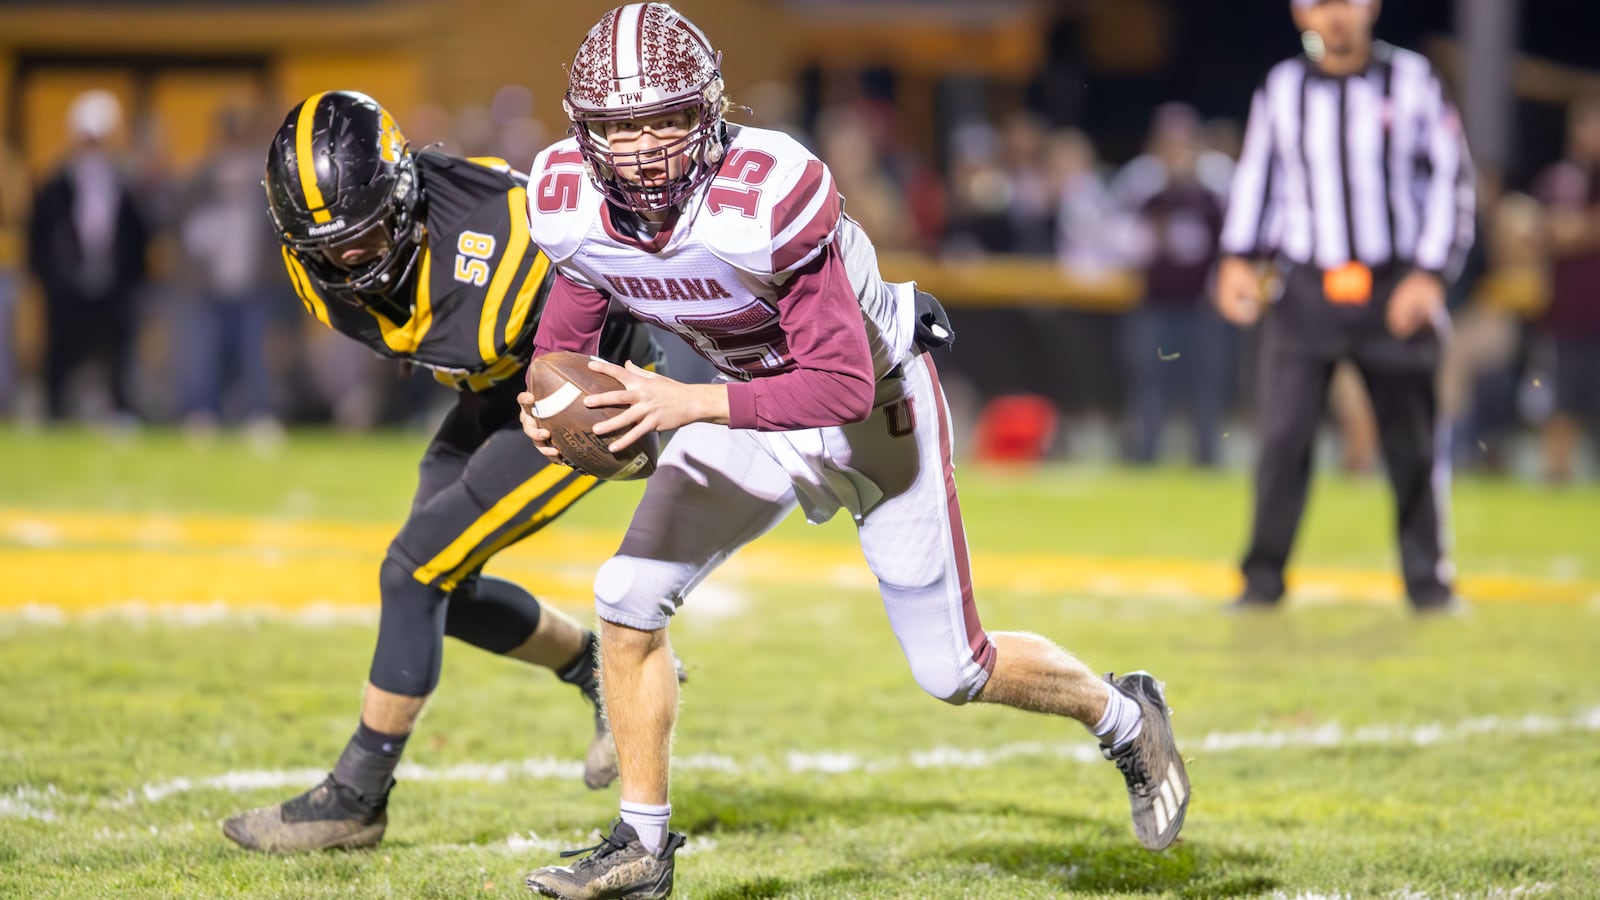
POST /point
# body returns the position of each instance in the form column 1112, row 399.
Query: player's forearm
column 709, row 402
column 803, row 398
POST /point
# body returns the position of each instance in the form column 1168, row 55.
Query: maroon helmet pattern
column 643, row 60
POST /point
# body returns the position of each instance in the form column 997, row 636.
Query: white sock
column 1122, row 720
column 649, row 821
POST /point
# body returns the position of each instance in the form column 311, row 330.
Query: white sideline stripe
column 715, row 601
column 1538, row 888
column 29, row 803
column 843, row 763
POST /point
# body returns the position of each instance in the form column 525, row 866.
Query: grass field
column 186, row 631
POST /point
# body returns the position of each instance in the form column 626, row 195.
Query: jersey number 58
column 473, row 250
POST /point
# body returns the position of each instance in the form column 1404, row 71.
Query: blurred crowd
column 163, row 298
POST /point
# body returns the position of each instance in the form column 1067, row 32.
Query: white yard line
column 1515, row 892
column 37, row 802
column 29, row 803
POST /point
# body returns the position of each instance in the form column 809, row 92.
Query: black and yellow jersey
column 469, row 307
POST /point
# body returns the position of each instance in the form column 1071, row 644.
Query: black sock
column 581, row 671
column 368, row 761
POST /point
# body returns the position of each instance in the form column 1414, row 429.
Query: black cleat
column 600, row 763
column 329, row 816
column 1250, row 603
column 1158, row 786
column 1444, row 607
column 617, row 867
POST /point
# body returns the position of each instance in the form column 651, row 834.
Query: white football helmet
column 642, row 60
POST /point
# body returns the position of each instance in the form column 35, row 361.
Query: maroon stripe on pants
column 977, row 639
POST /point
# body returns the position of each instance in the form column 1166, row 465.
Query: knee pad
column 951, row 680
column 410, row 632
column 492, row 614
column 931, row 633
column 639, row 593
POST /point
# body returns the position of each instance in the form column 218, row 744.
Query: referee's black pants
column 1303, row 336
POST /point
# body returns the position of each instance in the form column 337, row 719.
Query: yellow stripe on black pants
column 572, row 489
column 469, row 541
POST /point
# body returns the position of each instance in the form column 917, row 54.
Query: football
column 559, row 382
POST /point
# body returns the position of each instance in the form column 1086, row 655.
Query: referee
column 1355, row 180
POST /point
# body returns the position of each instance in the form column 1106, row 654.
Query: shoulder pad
column 772, row 205
column 562, row 204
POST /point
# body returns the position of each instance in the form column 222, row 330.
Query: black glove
column 933, row 325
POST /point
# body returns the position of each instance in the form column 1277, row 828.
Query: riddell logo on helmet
column 325, row 228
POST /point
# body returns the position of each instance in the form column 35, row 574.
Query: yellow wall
column 476, row 46
column 447, row 54
column 452, row 53
column 392, row 77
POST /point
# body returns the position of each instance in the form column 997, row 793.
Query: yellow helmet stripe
column 306, row 160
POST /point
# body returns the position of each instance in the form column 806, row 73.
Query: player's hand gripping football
column 653, row 402
column 1415, row 301
column 540, row 436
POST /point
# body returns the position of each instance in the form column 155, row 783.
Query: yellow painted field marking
column 80, row 562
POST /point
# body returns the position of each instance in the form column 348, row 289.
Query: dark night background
column 1227, row 45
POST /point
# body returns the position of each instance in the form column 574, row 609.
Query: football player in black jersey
column 424, row 257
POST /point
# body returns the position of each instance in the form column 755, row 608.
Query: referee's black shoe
column 1443, row 606
column 1250, row 603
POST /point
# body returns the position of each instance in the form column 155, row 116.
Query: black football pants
column 482, row 486
column 1302, row 338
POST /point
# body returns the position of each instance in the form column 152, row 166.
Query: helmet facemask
column 392, row 203
column 641, row 61
column 698, row 151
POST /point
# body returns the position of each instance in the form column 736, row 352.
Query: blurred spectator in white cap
column 94, row 116
column 87, row 245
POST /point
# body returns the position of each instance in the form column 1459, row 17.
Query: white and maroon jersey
column 759, row 271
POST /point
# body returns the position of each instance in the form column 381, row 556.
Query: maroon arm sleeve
column 832, row 382
column 572, row 318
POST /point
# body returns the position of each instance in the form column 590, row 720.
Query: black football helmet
column 341, row 178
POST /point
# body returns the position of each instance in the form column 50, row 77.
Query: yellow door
column 188, row 104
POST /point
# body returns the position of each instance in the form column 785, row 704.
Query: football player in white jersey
column 735, row 238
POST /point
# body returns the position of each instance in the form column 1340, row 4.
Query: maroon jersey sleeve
column 572, row 318
column 831, row 382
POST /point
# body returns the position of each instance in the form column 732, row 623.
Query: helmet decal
column 391, row 143
column 306, row 158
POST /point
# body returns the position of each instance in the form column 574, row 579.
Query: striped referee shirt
column 1371, row 166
